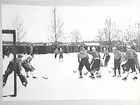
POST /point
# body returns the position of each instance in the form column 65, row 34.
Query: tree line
column 107, row 36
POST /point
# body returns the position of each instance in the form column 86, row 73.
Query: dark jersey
column 95, row 54
column 130, row 54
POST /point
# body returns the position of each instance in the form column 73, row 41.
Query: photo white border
column 64, row 3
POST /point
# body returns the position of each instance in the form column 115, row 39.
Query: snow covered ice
column 62, row 83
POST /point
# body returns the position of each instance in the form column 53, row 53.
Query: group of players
column 25, row 63
column 127, row 61
column 130, row 58
column 60, row 53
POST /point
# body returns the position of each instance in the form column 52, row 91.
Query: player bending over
column 26, row 64
column 95, row 63
column 10, row 69
column 130, row 56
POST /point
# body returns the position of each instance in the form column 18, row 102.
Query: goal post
column 13, row 32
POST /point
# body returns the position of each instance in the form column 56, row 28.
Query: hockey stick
column 111, row 70
column 34, row 77
column 74, row 71
column 86, row 73
column 44, row 77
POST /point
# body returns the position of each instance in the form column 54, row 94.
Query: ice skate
column 4, row 84
column 135, row 78
column 114, row 75
column 27, row 76
column 125, row 78
column 34, row 77
column 24, row 84
column 119, row 76
column 81, row 76
column 92, row 77
column 98, row 76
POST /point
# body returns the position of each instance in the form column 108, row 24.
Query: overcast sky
column 86, row 19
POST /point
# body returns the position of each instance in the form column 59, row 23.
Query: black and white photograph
column 54, row 52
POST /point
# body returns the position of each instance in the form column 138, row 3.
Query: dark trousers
column 95, row 65
column 117, row 66
column 131, row 65
column 107, row 59
column 84, row 62
column 124, row 67
column 61, row 56
column 55, row 55
column 10, row 69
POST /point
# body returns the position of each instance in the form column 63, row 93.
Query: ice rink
column 63, row 84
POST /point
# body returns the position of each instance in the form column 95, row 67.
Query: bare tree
column 20, row 30
column 56, row 25
column 75, row 35
column 138, row 37
column 110, row 31
column 100, row 36
column 130, row 33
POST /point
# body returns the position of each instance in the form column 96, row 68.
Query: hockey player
column 95, row 62
column 117, row 61
column 10, row 69
column 130, row 57
column 106, row 56
column 124, row 63
column 26, row 64
column 137, row 64
column 56, row 52
column 83, row 61
column 60, row 55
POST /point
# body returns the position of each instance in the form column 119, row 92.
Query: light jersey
column 61, row 52
column 27, row 60
column 56, row 51
column 117, row 54
column 106, row 53
column 82, row 55
column 130, row 54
